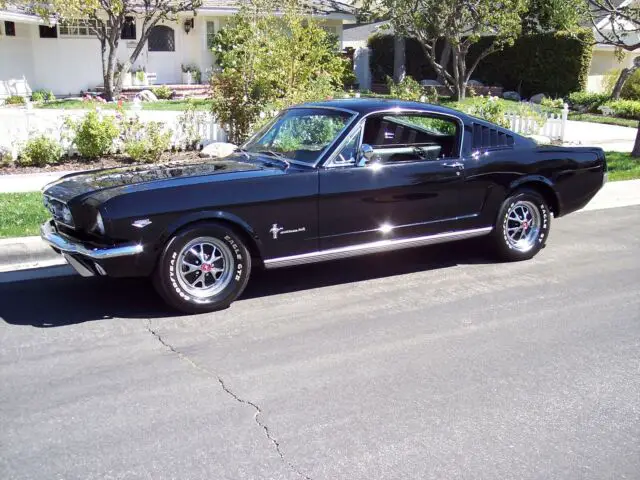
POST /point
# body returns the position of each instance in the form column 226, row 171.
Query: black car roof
column 367, row 105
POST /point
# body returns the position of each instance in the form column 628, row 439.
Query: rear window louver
column 487, row 137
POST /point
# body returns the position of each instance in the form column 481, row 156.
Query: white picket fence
column 18, row 124
column 551, row 125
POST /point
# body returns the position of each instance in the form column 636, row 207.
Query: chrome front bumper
column 57, row 241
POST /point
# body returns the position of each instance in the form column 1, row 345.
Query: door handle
column 458, row 165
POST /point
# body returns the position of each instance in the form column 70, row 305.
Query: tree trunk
column 624, row 76
column 636, row 146
column 444, row 61
column 399, row 58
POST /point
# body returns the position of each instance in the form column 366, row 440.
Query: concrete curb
column 31, row 252
column 26, row 252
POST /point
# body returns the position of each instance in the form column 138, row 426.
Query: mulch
column 111, row 161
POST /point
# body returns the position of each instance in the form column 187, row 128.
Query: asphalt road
column 430, row 363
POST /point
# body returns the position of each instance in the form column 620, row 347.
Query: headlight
column 99, row 228
column 66, row 215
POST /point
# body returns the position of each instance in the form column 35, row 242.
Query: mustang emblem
column 278, row 230
column 275, row 230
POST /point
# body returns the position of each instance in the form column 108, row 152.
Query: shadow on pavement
column 54, row 302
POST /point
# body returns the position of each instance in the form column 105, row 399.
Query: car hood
column 89, row 182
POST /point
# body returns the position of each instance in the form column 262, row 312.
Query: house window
column 79, row 28
column 48, row 32
column 211, row 32
column 161, row 39
column 10, row 29
column 129, row 29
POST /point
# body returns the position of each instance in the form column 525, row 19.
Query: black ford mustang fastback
column 322, row 181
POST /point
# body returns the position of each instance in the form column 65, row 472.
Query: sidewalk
column 32, row 252
column 28, row 182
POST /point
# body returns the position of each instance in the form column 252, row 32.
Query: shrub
column 37, row 96
column 407, row 89
column 625, row 108
column 14, row 100
column 145, row 142
column 42, row 96
column 189, row 122
column 40, row 151
column 93, row 135
column 163, row 92
column 267, row 60
column 488, row 108
column 587, row 101
column 552, row 102
column 631, row 88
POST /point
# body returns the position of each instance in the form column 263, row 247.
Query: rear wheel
column 522, row 227
column 203, row 268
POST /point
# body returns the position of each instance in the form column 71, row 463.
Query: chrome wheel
column 204, row 267
column 522, row 225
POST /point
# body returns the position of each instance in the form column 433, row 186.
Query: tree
column 552, row 15
column 270, row 61
column 460, row 23
column 110, row 16
column 618, row 25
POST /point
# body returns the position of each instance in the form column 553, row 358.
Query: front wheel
column 203, row 268
column 522, row 226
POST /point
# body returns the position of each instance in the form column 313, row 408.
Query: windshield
column 300, row 134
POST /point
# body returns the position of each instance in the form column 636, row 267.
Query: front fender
column 218, row 215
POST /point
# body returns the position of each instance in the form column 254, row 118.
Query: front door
column 162, row 58
column 410, row 188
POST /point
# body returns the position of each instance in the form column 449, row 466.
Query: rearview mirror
column 366, row 154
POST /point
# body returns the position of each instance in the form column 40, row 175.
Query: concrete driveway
column 609, row 137
column 431, row 363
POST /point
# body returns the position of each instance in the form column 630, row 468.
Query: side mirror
column 366, row 154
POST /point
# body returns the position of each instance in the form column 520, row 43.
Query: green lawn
column 622, row 166
column 201, row 104
column 21, row 214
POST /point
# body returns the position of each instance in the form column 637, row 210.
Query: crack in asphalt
column 257, row 417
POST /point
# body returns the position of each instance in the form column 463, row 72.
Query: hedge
column 552, row 63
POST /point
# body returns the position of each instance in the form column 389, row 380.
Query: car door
column 410, row 188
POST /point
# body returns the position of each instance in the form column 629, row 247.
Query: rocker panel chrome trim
column 374, row 247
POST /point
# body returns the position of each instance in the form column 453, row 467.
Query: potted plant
column 190, row 74
column 140, row 77
column 126, row 76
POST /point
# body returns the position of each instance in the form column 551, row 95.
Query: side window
column 411, row 137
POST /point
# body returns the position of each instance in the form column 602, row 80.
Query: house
column 65, row 57
column 356, row 37
column 605, row 58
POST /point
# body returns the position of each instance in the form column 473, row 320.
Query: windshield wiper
column 243, row 151
column 277, row 156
